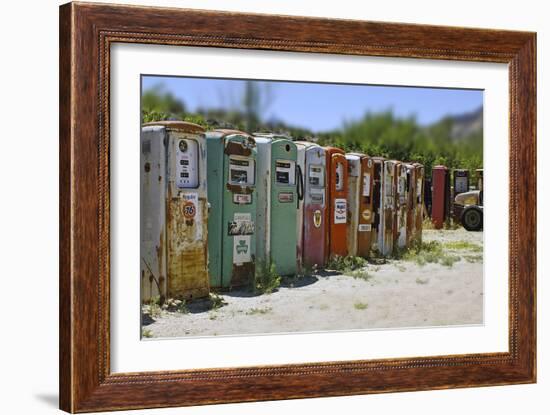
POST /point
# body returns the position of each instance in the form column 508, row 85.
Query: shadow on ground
column 199, row 305
column 146, row 319
column 297, row 282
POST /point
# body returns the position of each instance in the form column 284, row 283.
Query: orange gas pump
column 337, row 179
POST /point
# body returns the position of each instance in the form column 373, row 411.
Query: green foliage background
column 376, row 134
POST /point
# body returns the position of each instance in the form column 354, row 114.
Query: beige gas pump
column 419, row 188
column 360, row 202
column 389, row 199
column 377, row 203
column 402, row 207
column 173, row 211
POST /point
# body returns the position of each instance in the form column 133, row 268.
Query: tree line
column 377, row 134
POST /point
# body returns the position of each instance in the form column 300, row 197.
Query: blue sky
column 321, row 106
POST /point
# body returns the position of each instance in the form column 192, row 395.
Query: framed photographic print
column 258, row 207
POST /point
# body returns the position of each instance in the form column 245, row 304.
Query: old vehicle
column 232, row 197
column 174, row 211
column 468, row 207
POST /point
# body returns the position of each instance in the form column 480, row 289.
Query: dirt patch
column 398, row 293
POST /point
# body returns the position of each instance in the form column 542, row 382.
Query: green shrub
column 266, row 279
column 216, row 301
column 346, row 264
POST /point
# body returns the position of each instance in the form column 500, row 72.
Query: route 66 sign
column 189, row 210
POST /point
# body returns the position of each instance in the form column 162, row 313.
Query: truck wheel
column 472, row 218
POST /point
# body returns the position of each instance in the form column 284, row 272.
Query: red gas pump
column 441, row 193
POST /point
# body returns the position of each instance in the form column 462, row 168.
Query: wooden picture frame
column 86, row 33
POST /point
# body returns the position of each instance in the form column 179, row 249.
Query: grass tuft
column 254, row 311
column 361, row 306
column 463, row 245
column 216, row 301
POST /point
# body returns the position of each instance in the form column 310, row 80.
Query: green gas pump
column 277, row 209
column 231, row 176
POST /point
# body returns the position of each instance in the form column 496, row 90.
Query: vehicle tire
column 472, row 218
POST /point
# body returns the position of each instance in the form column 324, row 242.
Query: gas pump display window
column 339, row 176
column 187, row 161
column 316, row 176
column 285, row 172
column 366, row 184
column 241, row 170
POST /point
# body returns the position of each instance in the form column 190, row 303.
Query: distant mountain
column 464, row 125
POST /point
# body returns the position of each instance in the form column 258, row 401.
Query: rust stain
column 187, row 266
column 237, row 149
column 242, row 274
column 237, row 188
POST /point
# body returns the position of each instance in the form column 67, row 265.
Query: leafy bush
column 266, row 279
column 432, row 252
column 346, row 264
column 216, row 301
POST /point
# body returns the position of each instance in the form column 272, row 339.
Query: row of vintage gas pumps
column 218, row 206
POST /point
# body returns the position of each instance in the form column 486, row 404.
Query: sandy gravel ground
column 396, row 294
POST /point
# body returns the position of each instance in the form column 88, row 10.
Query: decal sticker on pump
column 242, row 199
column 340, row 210
column 241, row 249
column 364, row 227
column 366, row 214
column 317, row 218
column 242, row 224
column 286, row 197
column 191, row 211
